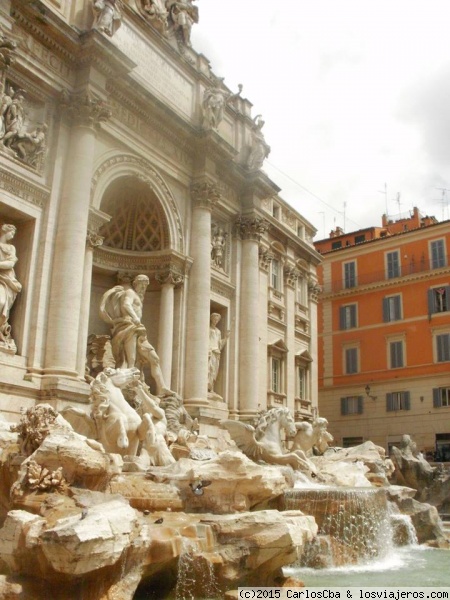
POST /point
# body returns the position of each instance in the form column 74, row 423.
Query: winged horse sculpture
column 264, row 442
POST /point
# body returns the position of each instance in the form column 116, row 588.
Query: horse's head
column 122, row 377
column 287, row 422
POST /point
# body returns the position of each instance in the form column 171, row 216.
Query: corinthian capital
column 251, row 228
column 94, row 240
column 205, row 194
column 171, row 276
column 83, row 109
column 291, row 275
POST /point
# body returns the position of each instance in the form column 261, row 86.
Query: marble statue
column 118, row 426
column 259, row 149
column 7, row 50
column 31, row 147
column 218, row 243
column 14, row 118
column 107, row 16
column 155, row 11
column 9, row 285
column 121, row 308
column 312, row 438
column 264, row 443
column 215, row 99
column 183, row 14
column 180, row 425
column 5, row 103
column 216, row 344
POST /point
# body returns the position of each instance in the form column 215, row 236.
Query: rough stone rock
column 10, row 590
column 235, row 483
column 144, row 494
column 424, row 517
column 82, row 465
column 254, row 546
column 19, row 540
column 95, row 539
column 376, row 467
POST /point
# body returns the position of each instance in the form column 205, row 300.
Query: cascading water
column 196, row 579
column 354, row 524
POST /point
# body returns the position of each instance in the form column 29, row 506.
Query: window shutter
column 407, row 400
column 342, row 317
column 398, row 307
column 389, row 403
column 386, row 310
column 360, row 405
column 437, row 401
column 344, row 410
column 431, row 302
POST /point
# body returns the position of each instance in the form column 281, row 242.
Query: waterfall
column 354, row 524
column 196, row 579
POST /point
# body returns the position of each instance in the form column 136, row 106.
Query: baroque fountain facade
column 158, row 351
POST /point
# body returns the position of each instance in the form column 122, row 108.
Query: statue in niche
column 259, row 149
column 7, row 49
column 107, row 16
column 5, row 103
column 155, row 11
column 182, row 15
column 14, row 118
column 218, row 244
column 9, row 286
column 215, row 99
column 31, row 147
column 121, row 307
column 216, row 344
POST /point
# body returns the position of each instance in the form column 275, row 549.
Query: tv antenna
column 444, row 201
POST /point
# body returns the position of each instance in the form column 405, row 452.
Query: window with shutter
column 437, row 249
column 351, row 361
column 392, row 264
column 443, row 347
column 396, row 354
column 352, row 405
column 398, row 401
column 349, row 274
column 347, row 316
column 392, row 308
column 441, row 397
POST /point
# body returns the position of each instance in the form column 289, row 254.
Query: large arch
column 114, row 167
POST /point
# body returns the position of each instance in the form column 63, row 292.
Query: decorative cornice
column 23, row 189
column 83, row 109
column 205, row 194
column 144, row 262
column 251, row 228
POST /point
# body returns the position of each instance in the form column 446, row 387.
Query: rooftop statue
column 156, row 12
column 121, row 307
column 215, row 99
column 107, row 16
column 259, row 149
column 264, row 442
column 182, row 15
column 9, row 285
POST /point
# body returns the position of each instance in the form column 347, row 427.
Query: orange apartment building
column 384, row 334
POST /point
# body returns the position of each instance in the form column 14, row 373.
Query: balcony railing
column 411, row 268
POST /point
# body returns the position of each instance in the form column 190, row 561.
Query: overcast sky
column 355, row 95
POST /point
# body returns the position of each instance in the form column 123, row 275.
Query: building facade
column 384, row 334
column 123, row 154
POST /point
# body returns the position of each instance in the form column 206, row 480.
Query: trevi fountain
column 152, row 280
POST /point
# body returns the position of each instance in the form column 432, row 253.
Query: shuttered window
column 352, row 405
column 392, row 308
column 351, row 360
column 396, row 354
column 347, row 316
column 443, row 347
column 437, row 254
column 441, row 397
column 392, row 264
column 439, row 299
column 350, row 275
column 398, row 401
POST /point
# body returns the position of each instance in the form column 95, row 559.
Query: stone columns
column 290, row 280
column 204, row 196
column 314, row 291
column 168, row 280
column 65, row 311
column 250, row 230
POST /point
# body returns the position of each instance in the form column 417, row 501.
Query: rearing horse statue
column 264, row 443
